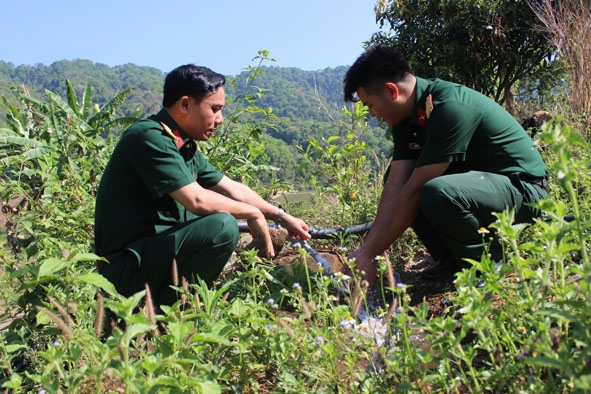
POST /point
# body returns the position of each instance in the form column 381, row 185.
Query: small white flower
column 347, row 323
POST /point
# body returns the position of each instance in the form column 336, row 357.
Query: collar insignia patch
column 421, row 117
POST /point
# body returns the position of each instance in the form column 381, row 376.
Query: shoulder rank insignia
column 429, row 106
column 175, row 136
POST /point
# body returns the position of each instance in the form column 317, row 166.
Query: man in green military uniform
column 458, row 157
column 160, row 200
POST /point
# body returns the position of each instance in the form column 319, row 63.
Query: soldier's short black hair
column 190, row 80
column 374, row 67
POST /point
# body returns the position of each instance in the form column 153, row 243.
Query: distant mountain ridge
column 290, row 91
column 308, row 104
column 105, row 81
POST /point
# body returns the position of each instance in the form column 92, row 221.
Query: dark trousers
column 455, row 207
column 201, row 248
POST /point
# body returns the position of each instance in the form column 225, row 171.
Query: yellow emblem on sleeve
column 429, row 105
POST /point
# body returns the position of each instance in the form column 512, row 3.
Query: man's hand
column 296, row 227
column 366, row 266
column 259, row 228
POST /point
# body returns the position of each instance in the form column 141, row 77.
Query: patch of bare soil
column 434, row 293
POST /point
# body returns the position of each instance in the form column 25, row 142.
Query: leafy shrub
column 521, row 328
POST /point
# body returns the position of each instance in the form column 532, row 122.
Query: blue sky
column 224, row 35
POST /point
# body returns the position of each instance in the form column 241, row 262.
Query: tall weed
column 266, row 328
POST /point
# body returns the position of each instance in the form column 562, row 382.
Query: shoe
column 444, row 270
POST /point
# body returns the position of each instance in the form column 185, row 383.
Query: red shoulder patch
column 178, row 138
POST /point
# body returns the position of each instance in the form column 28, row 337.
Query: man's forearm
column 246, row 195
column 394, row 216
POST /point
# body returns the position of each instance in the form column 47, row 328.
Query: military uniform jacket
column 454, row 124
column 153, row 158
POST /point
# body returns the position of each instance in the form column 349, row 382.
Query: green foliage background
column 303, row 104
column 487, row 45
column 263, row 327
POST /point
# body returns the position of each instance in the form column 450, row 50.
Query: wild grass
column 267, row 328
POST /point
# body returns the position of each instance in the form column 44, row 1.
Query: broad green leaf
column 557, row 314
column 136, row 329
column 238, row 308
column 50, row 266
column 86, row 102
column 98, row 280
column 332, row 138
column 83, row 257
column 12, row 348
column 583, row 382
column 63, row 105
column 41, row 318
column 37, row 152
column 72, row 99
column 210, row 388
column 21, row 141
column 212, row 338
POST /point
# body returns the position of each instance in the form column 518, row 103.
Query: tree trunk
column 509, row 99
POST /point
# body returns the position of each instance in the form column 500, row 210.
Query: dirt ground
column 434, row 293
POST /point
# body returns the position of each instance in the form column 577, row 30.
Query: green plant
column 53, row 153
column 342, row 172
column 238, row 146
column 267, row 327
column 524, row 329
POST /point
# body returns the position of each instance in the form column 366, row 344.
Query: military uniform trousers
column 455, row 207
column 201, row 248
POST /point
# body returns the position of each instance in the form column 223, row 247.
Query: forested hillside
column 307, row 104
column 294, row 93
column 105, row 81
